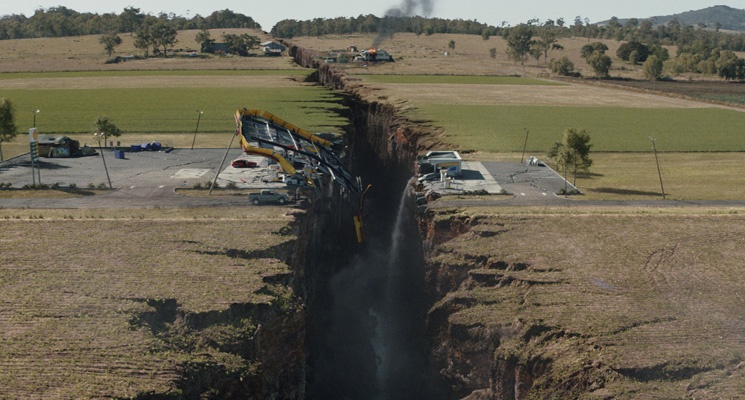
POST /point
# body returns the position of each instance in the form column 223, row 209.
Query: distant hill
column 729, row 18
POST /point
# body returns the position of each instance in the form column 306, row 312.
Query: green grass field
column 92, row 74
column 172, row 109
column 499, row 128
column 164, row 110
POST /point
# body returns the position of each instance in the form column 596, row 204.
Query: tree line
column 699, row 50
column 61, row 21
column 370, row 23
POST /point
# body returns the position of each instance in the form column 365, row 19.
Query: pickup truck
column 268, row 196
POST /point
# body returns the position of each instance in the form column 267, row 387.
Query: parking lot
column 146, row 178
column 507, row 178
column 150, row 178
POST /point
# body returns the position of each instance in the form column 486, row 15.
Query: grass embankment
column 77, row 284
column 636, row 301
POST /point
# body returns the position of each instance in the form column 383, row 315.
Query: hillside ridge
column 728, row 18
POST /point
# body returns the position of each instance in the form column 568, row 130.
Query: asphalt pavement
column 140, row 179
column 150, row 179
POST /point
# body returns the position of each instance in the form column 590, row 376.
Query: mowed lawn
column 73, row 101
column 499, row 128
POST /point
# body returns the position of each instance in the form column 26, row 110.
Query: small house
column 272, row 48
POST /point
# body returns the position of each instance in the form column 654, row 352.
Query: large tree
column 729, row 66
column 105, row 127
column 548, row 38
column 144, row 37
column 110, row 42
column 8, row 129
column 164, row 36
column 131, row 19
column 240, row 44
column 205, row 41
column 573, row 152
column 590, row 48
column 653, row 68
column 600, row 63
column 625, row 51
column 519, row 42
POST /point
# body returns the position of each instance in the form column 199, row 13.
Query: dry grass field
column 640, row 303
column 78, row 284
column 85, row 53
column 426, row 55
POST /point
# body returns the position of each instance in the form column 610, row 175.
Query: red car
column 241, row 163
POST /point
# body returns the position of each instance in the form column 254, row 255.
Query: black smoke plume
column 408, row 8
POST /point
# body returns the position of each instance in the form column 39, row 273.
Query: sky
column 492, row 12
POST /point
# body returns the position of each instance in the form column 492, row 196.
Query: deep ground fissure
column 367, row 304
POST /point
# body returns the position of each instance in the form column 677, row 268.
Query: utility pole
column 525, row 145
column 657, row 160
column 98, row 136
column 564, row 156
column 223, row 160
column 199, row 117
column 38, row 162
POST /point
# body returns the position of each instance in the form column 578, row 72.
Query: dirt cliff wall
column 383, row 149
column 472, row 359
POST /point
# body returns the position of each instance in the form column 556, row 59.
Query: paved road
column 150, row 179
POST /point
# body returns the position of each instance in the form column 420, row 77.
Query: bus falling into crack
column 312, row 162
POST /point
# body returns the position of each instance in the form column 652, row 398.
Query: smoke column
column 408, row 8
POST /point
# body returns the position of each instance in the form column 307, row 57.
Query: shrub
column 626, row 50
column 562, row 66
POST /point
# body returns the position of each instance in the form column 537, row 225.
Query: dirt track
column 129, row 82
column 568, row 95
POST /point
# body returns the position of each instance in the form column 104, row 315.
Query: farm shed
column 272, row 48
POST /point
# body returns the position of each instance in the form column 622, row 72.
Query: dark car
column 241, row 163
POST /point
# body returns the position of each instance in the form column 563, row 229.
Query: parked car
column 241, row 163
column 268, row 196
column 295, row 181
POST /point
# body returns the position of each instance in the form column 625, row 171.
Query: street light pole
column 564, row 156
column 98, row 136
column 199, row 117
column 38, row 162
column 657, row 160
column 524, row 145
